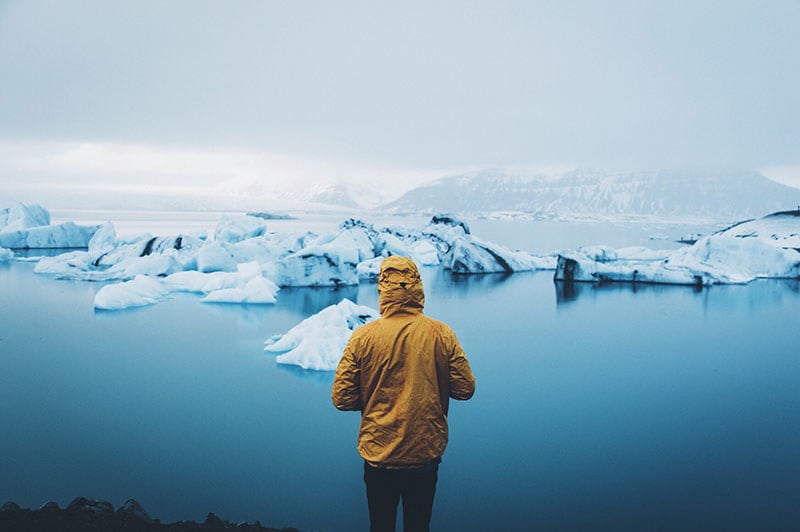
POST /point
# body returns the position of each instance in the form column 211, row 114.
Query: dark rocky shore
column 89, row 515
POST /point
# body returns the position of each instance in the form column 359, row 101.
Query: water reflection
column 447, row 280
column 308, row 301
column 571, row 291
column 322, row 377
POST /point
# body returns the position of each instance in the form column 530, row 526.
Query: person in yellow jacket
column 401, row 371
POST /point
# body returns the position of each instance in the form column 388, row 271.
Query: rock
column 133, row 509
column 85, row 503
column 10, row 506
column 50, row 506
column 213, row 520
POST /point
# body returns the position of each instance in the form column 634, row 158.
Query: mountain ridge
column 666, row 193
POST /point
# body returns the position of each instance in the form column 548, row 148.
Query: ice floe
column 139, row 291
column 317, row 342
column 246, row 285
column 767, row 247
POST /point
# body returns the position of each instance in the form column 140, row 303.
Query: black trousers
column 385, row 488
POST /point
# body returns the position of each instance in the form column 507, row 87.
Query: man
column 400, row 371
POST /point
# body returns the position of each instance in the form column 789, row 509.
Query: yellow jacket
column 400, row 371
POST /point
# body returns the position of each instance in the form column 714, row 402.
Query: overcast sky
column 200, row 90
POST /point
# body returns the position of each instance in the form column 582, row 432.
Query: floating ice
column 318, row 342
column 350, row 255
column 246, row 286
column 5, row 254
column 141, row 290
column 471, row 255
column 237, row 228
column 215, row 257
column 22, row 216
column 28, row 227
column 768, row 247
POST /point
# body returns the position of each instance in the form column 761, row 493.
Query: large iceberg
column 318, row 342
column 28, row 227
column 768, row 247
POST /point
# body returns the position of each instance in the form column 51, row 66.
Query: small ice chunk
column 318, row 342
column 256, row 291
column 5, row 254
column 141, row 290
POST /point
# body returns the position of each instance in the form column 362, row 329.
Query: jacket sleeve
column 346, row 392
column 462, row 382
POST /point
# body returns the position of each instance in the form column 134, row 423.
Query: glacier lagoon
column 597, row 407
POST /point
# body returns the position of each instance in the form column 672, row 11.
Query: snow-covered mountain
column 666, row 193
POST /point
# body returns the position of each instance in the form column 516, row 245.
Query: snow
column 28, row 227
column 317, row 342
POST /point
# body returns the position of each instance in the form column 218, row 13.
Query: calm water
column 597, row 408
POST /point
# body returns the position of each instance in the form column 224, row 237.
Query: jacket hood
column 400, row 287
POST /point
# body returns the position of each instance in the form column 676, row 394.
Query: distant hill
column 673, row 193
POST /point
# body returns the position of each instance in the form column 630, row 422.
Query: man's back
column 408, row 365
column 400, row 371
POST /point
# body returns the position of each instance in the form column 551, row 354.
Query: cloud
column 417, row 84
column 784, row 174
column 128, row 167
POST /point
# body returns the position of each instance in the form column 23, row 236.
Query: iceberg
column 237, row 228
column 28, row 227
column 246, row 285
column 317, row 342
column 350, row 255
column 246, row 264
column 22, row 216
column 471, row 255
column 141, row 290
column 767, row 247
column 330, row 260
column 215, row 257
